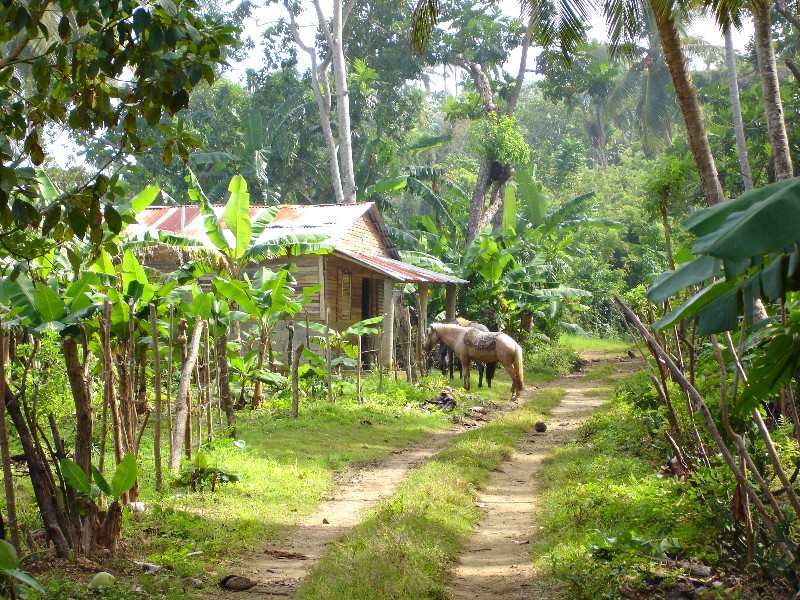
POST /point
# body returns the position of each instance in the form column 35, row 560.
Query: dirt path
column 279, row 568
column 496, row 562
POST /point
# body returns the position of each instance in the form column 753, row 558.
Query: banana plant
column 10, row 573
column 232, row 248
column 267, row 299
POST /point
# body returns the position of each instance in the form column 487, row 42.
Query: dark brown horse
column 470, row 344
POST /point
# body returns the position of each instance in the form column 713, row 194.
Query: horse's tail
column 518, row 367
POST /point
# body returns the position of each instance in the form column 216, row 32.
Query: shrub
column 499, row 138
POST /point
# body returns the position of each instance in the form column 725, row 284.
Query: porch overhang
column 397, row 270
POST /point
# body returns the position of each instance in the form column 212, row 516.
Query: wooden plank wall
column 363, row 237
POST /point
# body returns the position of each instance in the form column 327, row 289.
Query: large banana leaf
column 509, row 223
column 236, row 291
column 260, row 222
column 770, row 224
column 710, row 219
column 254, row 132
column 426, row 261
column 289, row 245
column 237, row 215
column 530, row 196
column 691, row 273
column 699, row 301
column 49, row 304
column 387, row 185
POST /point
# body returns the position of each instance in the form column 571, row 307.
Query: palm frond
column 426, row 261
column 562, row 23
column 568, row 210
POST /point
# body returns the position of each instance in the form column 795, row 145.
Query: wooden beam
column 450, row 291
column 422, row 321
column 388, row 323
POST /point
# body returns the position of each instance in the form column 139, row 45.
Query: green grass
column 286, row 467
column 406, row 546
column 582, row 343
column 603, row 486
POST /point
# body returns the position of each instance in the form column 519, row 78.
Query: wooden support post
column 358, row 373
column 422, row 323
column 450, row 302
column 387, row 350
column 157, row 385
column 328, row 353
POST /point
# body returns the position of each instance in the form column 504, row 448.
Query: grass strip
column 406, row 546
column 602, row 494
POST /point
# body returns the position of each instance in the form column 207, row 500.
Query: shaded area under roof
column 398, row 270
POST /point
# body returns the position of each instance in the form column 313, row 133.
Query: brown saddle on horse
column 481, row 340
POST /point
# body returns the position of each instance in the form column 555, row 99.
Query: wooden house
column 357, row 278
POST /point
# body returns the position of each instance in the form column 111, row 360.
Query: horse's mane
column 446, row 326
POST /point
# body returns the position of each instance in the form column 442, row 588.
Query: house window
column 345, row 295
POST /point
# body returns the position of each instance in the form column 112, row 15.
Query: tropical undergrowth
column 548, row 361
column 406, row 546
column 615, row 522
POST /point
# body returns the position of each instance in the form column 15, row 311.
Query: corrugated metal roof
column 400, row 271
column 333, row 220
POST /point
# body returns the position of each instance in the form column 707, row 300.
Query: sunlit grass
column 286, row 468
column 603, row 485
column 581, row 343
column 406, row 546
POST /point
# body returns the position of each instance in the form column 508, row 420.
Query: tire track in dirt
column 280, row 568
column 496, row 561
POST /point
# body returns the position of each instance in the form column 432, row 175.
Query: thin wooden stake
column 380, row 361
column 331, row 398
column 157, row 382
column 169, row 375
column 295, row 382
column 358, row 372
column 207, row 385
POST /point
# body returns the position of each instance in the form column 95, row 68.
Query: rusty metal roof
column 332, row 220
column 398, row 270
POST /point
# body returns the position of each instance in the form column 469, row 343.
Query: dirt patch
column 279, row 568
column 496, row 561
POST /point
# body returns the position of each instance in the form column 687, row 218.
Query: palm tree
column 770, row 86
column 565, row 22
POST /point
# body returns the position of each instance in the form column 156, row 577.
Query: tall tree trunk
column 8, row 477
column 689, row 104
column 41, row 480
column 78, row 374
column 342, row 102
column 736, row 108
column 770, row 85
column 322, row 94
column 182, row 401
column 225, row 397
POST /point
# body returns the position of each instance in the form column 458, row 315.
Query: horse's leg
column 491, row 367
column 480, row 367
column 465, row 367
